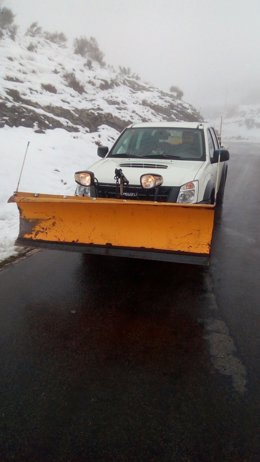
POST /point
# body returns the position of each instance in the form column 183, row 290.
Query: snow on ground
column 243, row 124
column 51, row 161
column 233, row 131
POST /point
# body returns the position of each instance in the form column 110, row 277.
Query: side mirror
column 222, row 153
column 102, row 151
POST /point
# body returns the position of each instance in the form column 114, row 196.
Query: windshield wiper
column 162, row 156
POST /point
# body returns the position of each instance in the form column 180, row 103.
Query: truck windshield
column 160, row 143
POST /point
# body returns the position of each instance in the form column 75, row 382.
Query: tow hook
column 121, row 180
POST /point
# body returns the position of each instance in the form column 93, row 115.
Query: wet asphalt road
column 125, row 360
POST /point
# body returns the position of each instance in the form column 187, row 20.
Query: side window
column 211, row 145
column 215, row 139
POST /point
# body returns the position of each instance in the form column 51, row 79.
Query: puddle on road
column 221, row 345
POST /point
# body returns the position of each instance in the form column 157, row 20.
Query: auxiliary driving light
column 84, row 178
column 149, row 181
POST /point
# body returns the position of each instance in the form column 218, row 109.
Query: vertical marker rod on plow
column 220, row 130
column 217, row 180
column 18, row 184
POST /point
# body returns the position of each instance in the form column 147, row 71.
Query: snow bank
column 51, row 161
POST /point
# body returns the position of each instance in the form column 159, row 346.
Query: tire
column 221, row 191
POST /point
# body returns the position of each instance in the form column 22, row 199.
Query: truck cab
column 179, row 162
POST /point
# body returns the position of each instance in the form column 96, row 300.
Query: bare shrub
column 81, row 46
column 127, row 72
column 89, row 64
column 12, row 79
column 13, row 31
column 178, row 92
column 32, row 47
column 108, row 84
column 56, row 37
column 84, row 47
column 49, row 87
column 7, row 25
column 6, row 18
column 34, row 30
column 73, row 82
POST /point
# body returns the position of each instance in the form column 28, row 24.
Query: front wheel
column 221, row 191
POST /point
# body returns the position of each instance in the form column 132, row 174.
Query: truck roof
column 197, row 124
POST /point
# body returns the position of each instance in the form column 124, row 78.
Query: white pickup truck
column 179, row 162
column 152, row 196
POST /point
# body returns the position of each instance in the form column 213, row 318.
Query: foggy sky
column 210, row 49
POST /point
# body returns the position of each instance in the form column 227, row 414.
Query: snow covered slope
column 46, row 85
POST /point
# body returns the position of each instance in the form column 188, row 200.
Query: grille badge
column 130, row 194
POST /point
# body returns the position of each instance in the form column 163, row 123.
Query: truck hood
column 174, row 172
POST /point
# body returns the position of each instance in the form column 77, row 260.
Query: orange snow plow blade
column 137, row 229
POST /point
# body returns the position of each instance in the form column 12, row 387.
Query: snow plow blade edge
column 127, row 228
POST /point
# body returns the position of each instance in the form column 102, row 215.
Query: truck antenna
column 18, row 184
column 220, row 128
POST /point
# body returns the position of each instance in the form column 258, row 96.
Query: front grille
column 160, row 194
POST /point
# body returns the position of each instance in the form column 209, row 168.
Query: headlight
column 189, row 192
column 84, row 178
column 150, row 181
